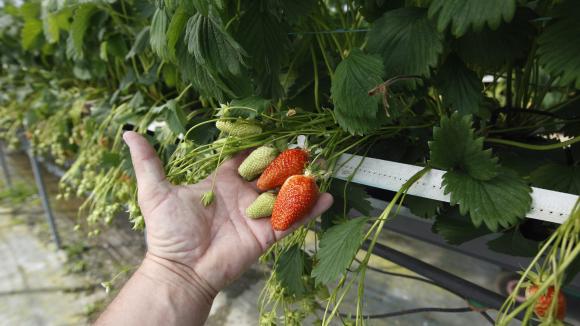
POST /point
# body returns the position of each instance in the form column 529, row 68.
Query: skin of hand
column 207, row 247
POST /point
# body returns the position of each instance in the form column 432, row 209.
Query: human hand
column 211, row 246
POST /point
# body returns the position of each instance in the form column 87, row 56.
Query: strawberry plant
column 486, row 90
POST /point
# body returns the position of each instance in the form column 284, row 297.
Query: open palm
column 217, row 242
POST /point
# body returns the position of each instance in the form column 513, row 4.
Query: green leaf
column 354, row 77
column 457, row 229
column 265, row 40
column 463, row 14
column 142, row 10
column 296, row 9
column 347, row 196
column 203, row 134
column 256, row 104
column 208, row 84
column 290, row 270
column 82, row 72
column 374, row 9
column 30, row 10
column 407, row 41
column 158, row 36
column 171, row 5
column 170, row 75
column 30, row 34
column 359, row 125
column 501, row 201
column 81, row 21
column 510, row 42
column 32, row 28
column 422, row 207
column 558, row 54
column 338, row 246
column 455, row 148
column 460, row 87
column 175, row 31
column 514, row 244
column 355, row 196
column 51, row 28
column 110, row 160
column 116, row 46
column 212, row 47
column 558, row 177
column 140, row 44
column 175, row 117
column 205, row 7
column 103, row 52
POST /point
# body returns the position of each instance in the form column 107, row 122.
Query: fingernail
column 125, row 135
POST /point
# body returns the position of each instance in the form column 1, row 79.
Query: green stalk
column 554, row 243
column 547, row 283
column 525, row 82
column 533, row 147
column 377, row 228
column 316, row 81
column 508, row 92
column 322, row 46
column 507, row 130
column 325, row 322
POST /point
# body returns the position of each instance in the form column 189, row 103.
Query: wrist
column 179, row 277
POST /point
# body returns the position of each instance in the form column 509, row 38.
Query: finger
column 254, row 185
column 148, row 169
column 324, row 202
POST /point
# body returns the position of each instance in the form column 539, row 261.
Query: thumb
column 148, row 169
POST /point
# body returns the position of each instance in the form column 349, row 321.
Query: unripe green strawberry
column 262, row 206
column 238, row 128
column 257, row 162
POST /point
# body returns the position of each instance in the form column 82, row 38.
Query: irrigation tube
column 448, row 281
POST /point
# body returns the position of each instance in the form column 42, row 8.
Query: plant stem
column 531, row 146
column 378, row 226
column 316, row 81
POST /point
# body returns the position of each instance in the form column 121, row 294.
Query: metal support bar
column 448, row 281
column 44, row 197
column 5, row 166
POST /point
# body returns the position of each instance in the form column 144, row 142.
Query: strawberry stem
column 208, row 197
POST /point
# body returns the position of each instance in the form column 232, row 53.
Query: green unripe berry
column 238, row 128
column 257, row 162
column 262, row 206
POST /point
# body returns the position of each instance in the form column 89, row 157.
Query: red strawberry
column 290, row 162
column 295, row 199
column 545, row 301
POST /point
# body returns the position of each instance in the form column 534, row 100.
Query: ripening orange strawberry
column 295, row 199
column 290, row 162
column 545, row 301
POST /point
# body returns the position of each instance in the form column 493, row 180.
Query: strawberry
column 257, row 162
column 290, row 162
column 262, row 206
column 238, row 128
column 295, row 199
column 545, row 301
